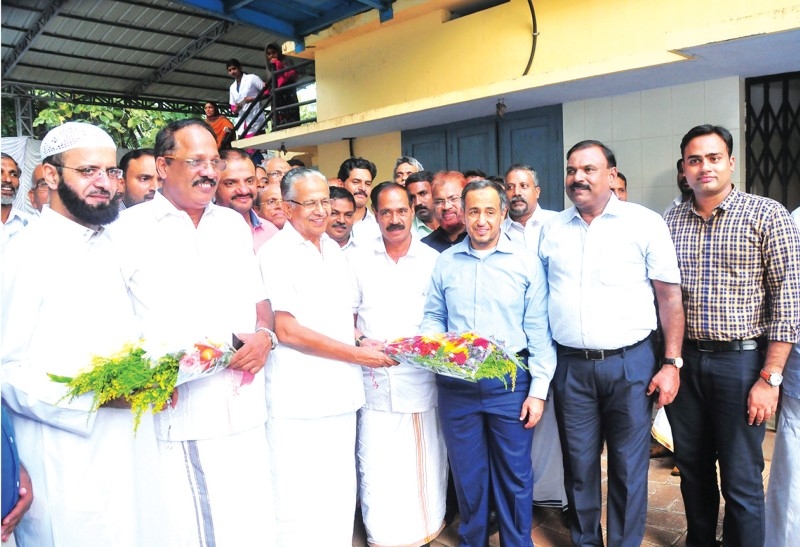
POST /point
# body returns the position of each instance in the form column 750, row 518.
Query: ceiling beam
column 50, row 11
column 217, row 30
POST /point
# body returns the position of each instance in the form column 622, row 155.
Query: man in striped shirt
column 739, row 257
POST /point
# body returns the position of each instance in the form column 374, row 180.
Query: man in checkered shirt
column 739, row 257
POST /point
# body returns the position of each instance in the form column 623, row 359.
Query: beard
column 90, row 214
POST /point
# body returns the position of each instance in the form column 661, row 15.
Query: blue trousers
column 490, row 455
column 597, row 401
column 709, row 423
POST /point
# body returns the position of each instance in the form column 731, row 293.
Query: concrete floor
column 666, row 524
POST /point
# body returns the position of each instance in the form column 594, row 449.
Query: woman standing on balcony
column 276, row 61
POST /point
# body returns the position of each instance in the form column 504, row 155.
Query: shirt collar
column 504, row 245
column 65, row 226
column 164, row 207
column 254, row 220
column 726, row 203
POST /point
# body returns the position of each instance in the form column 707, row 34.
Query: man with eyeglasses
column 447, row 187
column 276, row 167
column 64, row 301
column 39, row 194
column 270, row 205
column 237, row 190
column 174, row 249
column 314, row 385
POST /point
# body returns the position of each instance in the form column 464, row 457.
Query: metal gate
column 773, row 137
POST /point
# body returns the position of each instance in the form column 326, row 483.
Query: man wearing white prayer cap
column 64, row 301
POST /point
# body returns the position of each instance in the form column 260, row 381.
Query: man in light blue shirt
column 491, row 286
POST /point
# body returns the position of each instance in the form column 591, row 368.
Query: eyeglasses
column 218, row 165
column 94, row 173
column 313, row 204
column 452, row 200
column 275, row 173
column 272, row 202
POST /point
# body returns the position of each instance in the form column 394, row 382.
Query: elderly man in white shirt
column 314, row 385
column 191, row 274
column 94, row 481
column 402, row 460
column 606, row 260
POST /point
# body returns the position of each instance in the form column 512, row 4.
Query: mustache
column 360, row 193
column 518, row 199
column 341, row 225
column 105, row 193
column 578, row 186
column 202, row 180
column 421, row 207
column 395, row 227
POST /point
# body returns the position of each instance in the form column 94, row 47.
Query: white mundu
column 189, row 283
column 402, row 460
column 312, row 400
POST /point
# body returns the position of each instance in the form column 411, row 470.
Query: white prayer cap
column 73, row 135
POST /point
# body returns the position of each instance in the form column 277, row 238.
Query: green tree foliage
column 130, row 128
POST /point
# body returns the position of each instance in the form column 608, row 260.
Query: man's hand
column 252, row 356
column 372, row 357
column 22, row 506
column 667, row 381
column 532, row 409
column 761, row 403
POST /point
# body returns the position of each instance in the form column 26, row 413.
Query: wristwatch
column 677, row 362
column 272, row 336
column 360, row 339
column 772, row 378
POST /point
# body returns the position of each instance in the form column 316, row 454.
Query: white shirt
column 249, row 86
column 366, row 230
column 16, row 221
column 528, row 235
column 389, row 299
column 672, row 204
column 187, row 284
column 63, row 301
column 796, row 216
column 599, row 274
column 315, row 288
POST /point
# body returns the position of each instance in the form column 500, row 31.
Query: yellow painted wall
column 364, row 66
column 382, row 150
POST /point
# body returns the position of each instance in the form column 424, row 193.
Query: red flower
column 480, row 343
column 459, row 358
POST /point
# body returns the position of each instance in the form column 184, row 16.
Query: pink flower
column 191, row 363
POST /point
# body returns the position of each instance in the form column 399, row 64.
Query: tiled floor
column 666, row 525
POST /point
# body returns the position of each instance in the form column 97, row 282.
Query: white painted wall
column 645, row 128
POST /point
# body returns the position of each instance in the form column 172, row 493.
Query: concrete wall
column 644, row 129
column 382, row 150
column 422, row 53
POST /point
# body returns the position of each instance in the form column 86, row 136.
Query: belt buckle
column 705, row 346
column 594, row 354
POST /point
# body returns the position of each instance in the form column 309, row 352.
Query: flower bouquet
column 464, row 355
column 146, row 381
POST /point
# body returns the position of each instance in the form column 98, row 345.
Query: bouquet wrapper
column 463, row 355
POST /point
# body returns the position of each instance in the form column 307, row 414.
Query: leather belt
column 598, row 354
column 716, row 346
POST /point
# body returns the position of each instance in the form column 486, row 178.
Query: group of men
column 324, row 276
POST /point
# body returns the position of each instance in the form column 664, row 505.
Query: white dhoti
column 547, row 462
column 783, row 493
column 314, row 479
column 219, row 491
column 402, row 466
